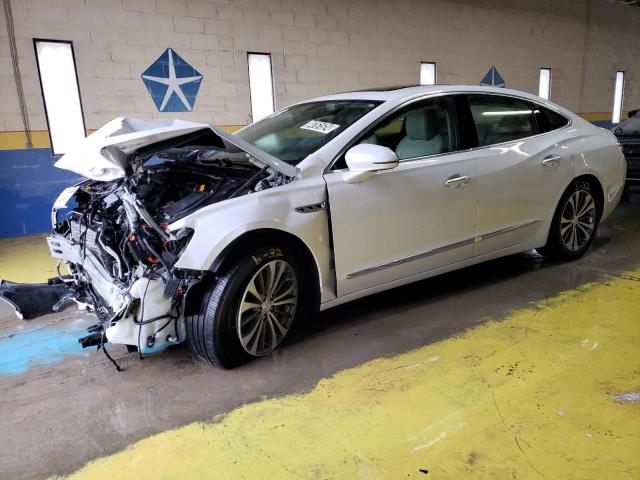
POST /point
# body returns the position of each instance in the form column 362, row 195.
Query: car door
column 410, row 219
column 520, row 172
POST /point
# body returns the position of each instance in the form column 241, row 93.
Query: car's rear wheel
column 575, row 222
column 249, row 309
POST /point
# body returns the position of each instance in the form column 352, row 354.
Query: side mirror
column 365, row 159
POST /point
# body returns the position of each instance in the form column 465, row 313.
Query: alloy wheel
column 267, row 307
column 578, row 220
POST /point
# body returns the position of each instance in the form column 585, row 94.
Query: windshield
column 294, row 133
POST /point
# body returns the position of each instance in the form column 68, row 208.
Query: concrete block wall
column 321, row 46
column 317, row 47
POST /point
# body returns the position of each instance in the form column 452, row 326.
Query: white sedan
column 183, row 232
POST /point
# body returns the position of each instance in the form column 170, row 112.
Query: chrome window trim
column 445, row 248
column 353, row 142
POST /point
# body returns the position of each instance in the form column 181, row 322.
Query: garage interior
column 520, row 367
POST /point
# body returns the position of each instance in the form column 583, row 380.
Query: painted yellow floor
column 529, row 396
column 26, row 259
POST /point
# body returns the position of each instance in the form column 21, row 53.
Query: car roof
column 399, row 93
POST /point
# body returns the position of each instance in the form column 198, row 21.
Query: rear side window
column 548, row 120
column 501, row 119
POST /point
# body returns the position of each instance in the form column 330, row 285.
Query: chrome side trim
column 395, row 263
column 435, row 251
column 314, row 207
column 485, row 236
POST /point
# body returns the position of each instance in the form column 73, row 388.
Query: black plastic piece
column 32, row 300
column 91, row 340
column 95, row 328
column 171, row 287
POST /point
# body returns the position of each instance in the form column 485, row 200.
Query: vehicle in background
column 185, row 232
column 628, row 135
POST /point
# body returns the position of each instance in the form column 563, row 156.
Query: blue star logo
column 172, row 83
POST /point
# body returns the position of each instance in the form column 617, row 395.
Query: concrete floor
column 56, row 416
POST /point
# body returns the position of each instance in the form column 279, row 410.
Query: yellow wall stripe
column 230, row 128
column 40, row 138
column 18, row 140
column 528, row 396
column 599, row 116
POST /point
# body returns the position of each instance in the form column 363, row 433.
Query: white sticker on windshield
column 320, row 127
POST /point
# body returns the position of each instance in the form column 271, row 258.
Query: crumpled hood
column 105, row 153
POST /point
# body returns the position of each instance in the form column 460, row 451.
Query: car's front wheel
column 247, row 311
column 575, row 222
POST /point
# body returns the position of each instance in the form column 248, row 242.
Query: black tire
column 212, row 332
column 555, row 248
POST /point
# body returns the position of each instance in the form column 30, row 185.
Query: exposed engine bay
column 113, row 236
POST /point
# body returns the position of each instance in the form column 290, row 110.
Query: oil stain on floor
column 528, row 396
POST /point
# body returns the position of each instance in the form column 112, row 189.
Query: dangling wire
column 104, row 349
column 144, row 296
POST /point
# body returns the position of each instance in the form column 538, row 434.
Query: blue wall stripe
column 29, row 184
column 603, row 123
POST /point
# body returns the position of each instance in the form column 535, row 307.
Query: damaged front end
column 114, row 237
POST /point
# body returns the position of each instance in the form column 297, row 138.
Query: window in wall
column 61, row 94
column 427, row 73
column 618, row 95
column 261, row 85
column 544, row 90
column 501, row 119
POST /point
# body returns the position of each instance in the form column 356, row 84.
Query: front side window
column 501, row 119
column 421, row 129
column 292, row 134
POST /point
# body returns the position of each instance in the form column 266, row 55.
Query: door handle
column 551, row 160
column 457, row 180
